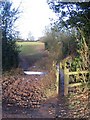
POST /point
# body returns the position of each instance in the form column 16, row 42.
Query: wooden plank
column 66, row 79
column 74, row 84
column 77, row 72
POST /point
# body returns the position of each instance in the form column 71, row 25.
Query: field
column 30, row 48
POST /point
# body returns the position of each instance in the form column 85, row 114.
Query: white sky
column 35, row 17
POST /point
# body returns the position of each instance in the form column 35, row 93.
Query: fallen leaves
column 78, row 105
column 22, row 92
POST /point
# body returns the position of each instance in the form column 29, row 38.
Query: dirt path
column 51, row 108
column 27, row 61
column 24, row 63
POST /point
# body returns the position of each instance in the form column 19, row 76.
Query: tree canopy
column 75, row 15
column 9, row 49
column 60, row 44
column 72, row 14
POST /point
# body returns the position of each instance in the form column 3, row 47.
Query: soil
column 52, row 108
column 48, row 109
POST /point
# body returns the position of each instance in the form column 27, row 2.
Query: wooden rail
column 78, row 72
column 74, row 84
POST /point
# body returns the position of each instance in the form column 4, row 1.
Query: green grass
column 30, row 48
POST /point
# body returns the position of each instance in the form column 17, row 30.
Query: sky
column 34, row 18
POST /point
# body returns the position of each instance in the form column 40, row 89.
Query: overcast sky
column 35, row 17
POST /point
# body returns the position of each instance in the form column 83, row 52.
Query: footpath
column 51, row 108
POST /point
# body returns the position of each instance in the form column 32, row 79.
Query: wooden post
column 66, row 80
column 57, row 79
column 60, row 65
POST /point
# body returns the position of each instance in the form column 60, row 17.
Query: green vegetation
column 78, row 21
column 60, row 44
column 9, row 49
column 77, row 18
column 74, row 17
column 30, row 48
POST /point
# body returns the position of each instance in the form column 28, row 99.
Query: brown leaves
column 23, row 91
column 78, row 105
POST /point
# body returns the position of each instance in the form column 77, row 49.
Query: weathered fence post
column 57, row 79
column 66, row 80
